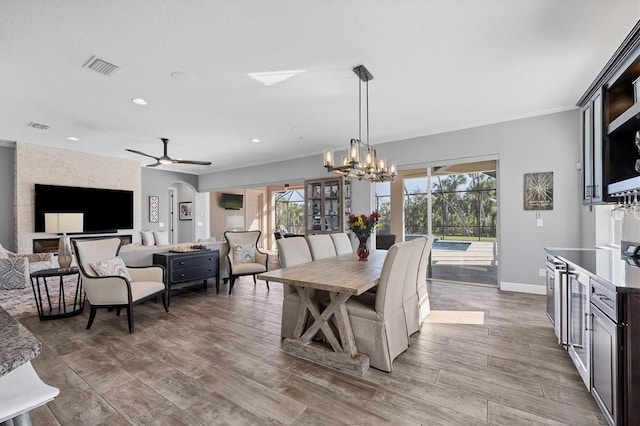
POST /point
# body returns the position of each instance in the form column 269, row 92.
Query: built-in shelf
column 628, row 120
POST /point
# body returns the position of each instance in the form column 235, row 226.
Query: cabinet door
column 587, row 155
column 605, row 364
column 597, row 193
column 579, row 338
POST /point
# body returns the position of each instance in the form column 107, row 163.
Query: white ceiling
column 437, row 66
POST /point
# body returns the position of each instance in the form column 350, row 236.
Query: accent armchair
column 244, row 256
column 109, row 283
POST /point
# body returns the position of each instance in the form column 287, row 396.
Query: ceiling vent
column 100, row 66
column 38, row 126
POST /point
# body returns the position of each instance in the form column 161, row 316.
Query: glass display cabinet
column 324, row 205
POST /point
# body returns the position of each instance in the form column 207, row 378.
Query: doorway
column 458, row 205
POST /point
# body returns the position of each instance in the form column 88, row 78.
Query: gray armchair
column 113, row 286
column 244, row 256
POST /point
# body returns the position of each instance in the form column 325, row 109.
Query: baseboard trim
column 523, row 288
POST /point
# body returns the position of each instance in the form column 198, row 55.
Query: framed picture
column 154, row 213
column 185, row 210
column 538, row 191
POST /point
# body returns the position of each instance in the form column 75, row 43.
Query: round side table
column 39, row 280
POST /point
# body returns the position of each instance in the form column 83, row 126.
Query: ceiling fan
column 165, row 159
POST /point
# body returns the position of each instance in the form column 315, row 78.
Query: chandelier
column 361, row 161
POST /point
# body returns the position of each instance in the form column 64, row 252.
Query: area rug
column 21, row 303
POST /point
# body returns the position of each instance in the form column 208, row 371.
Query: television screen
column 105, row 210
column 231, row 201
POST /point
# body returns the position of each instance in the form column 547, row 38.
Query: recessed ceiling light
column 273, row 77
column 255, row 140
column 73, row 138
column 139, row 101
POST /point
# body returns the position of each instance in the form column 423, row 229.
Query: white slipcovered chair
column 423, row 294
column 22, row 390
column 377, row 319
column 109, row 283
column 321, row 246
column 342, row 243
column 410, row 289
column 244, row 256
column 291, row 251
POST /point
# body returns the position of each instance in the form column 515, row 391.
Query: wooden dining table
column 342, row 277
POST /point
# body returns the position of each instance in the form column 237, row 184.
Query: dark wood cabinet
column 630, row 356
column 190, row 268
column 593, row 150
column 610, row 116
column 615, row 352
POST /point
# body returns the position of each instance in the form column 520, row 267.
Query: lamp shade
column 61, row 223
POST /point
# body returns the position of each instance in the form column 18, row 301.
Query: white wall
column 54, row 166
column 539, row 144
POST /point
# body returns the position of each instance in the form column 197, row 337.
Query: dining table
column 342, row 277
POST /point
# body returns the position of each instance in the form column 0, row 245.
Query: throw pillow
column 14, row 273
column 161, row 238
column 244, row 253
column 4, row 253
column 109, row 267
column 147, row 238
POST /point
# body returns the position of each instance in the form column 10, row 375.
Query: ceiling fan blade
column 141, row 153
column 200, row 163
column 153, row 165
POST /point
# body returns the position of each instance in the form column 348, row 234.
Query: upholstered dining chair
column 377, row 319
column 244, row 256
column 321, row 246
column 109, row 283
column 410, row 289
column 342, row 243
column 423, row 294
column 291, row 251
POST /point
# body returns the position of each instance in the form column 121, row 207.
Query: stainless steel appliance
column 579, row 327
column 557, row 296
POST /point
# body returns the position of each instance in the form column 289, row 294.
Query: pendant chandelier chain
column 357, row 164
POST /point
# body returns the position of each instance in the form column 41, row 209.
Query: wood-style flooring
column 216, row 359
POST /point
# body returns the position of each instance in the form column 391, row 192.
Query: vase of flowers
column 362, row 226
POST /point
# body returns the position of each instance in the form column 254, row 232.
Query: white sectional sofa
column 139, row 255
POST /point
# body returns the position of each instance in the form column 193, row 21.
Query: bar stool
column 22, row 390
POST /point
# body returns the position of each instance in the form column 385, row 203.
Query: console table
column 186, row 268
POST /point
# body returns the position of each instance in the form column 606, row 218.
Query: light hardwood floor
column 216, row 359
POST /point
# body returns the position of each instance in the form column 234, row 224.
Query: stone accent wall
column 54, row 166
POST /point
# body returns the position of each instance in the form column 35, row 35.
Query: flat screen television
column 105, row 210
column 231, row 201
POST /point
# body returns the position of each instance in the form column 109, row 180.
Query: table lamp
column 56, row 223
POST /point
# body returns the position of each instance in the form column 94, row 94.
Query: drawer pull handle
column 182, row 275
column 182, row 263
column 602, row 297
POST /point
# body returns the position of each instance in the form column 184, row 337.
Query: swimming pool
column 451, row 245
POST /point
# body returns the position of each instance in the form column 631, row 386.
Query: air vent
column 100, row 66
column 38, row 126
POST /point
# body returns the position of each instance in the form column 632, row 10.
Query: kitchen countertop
column 17, row 344
column 606, row 264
